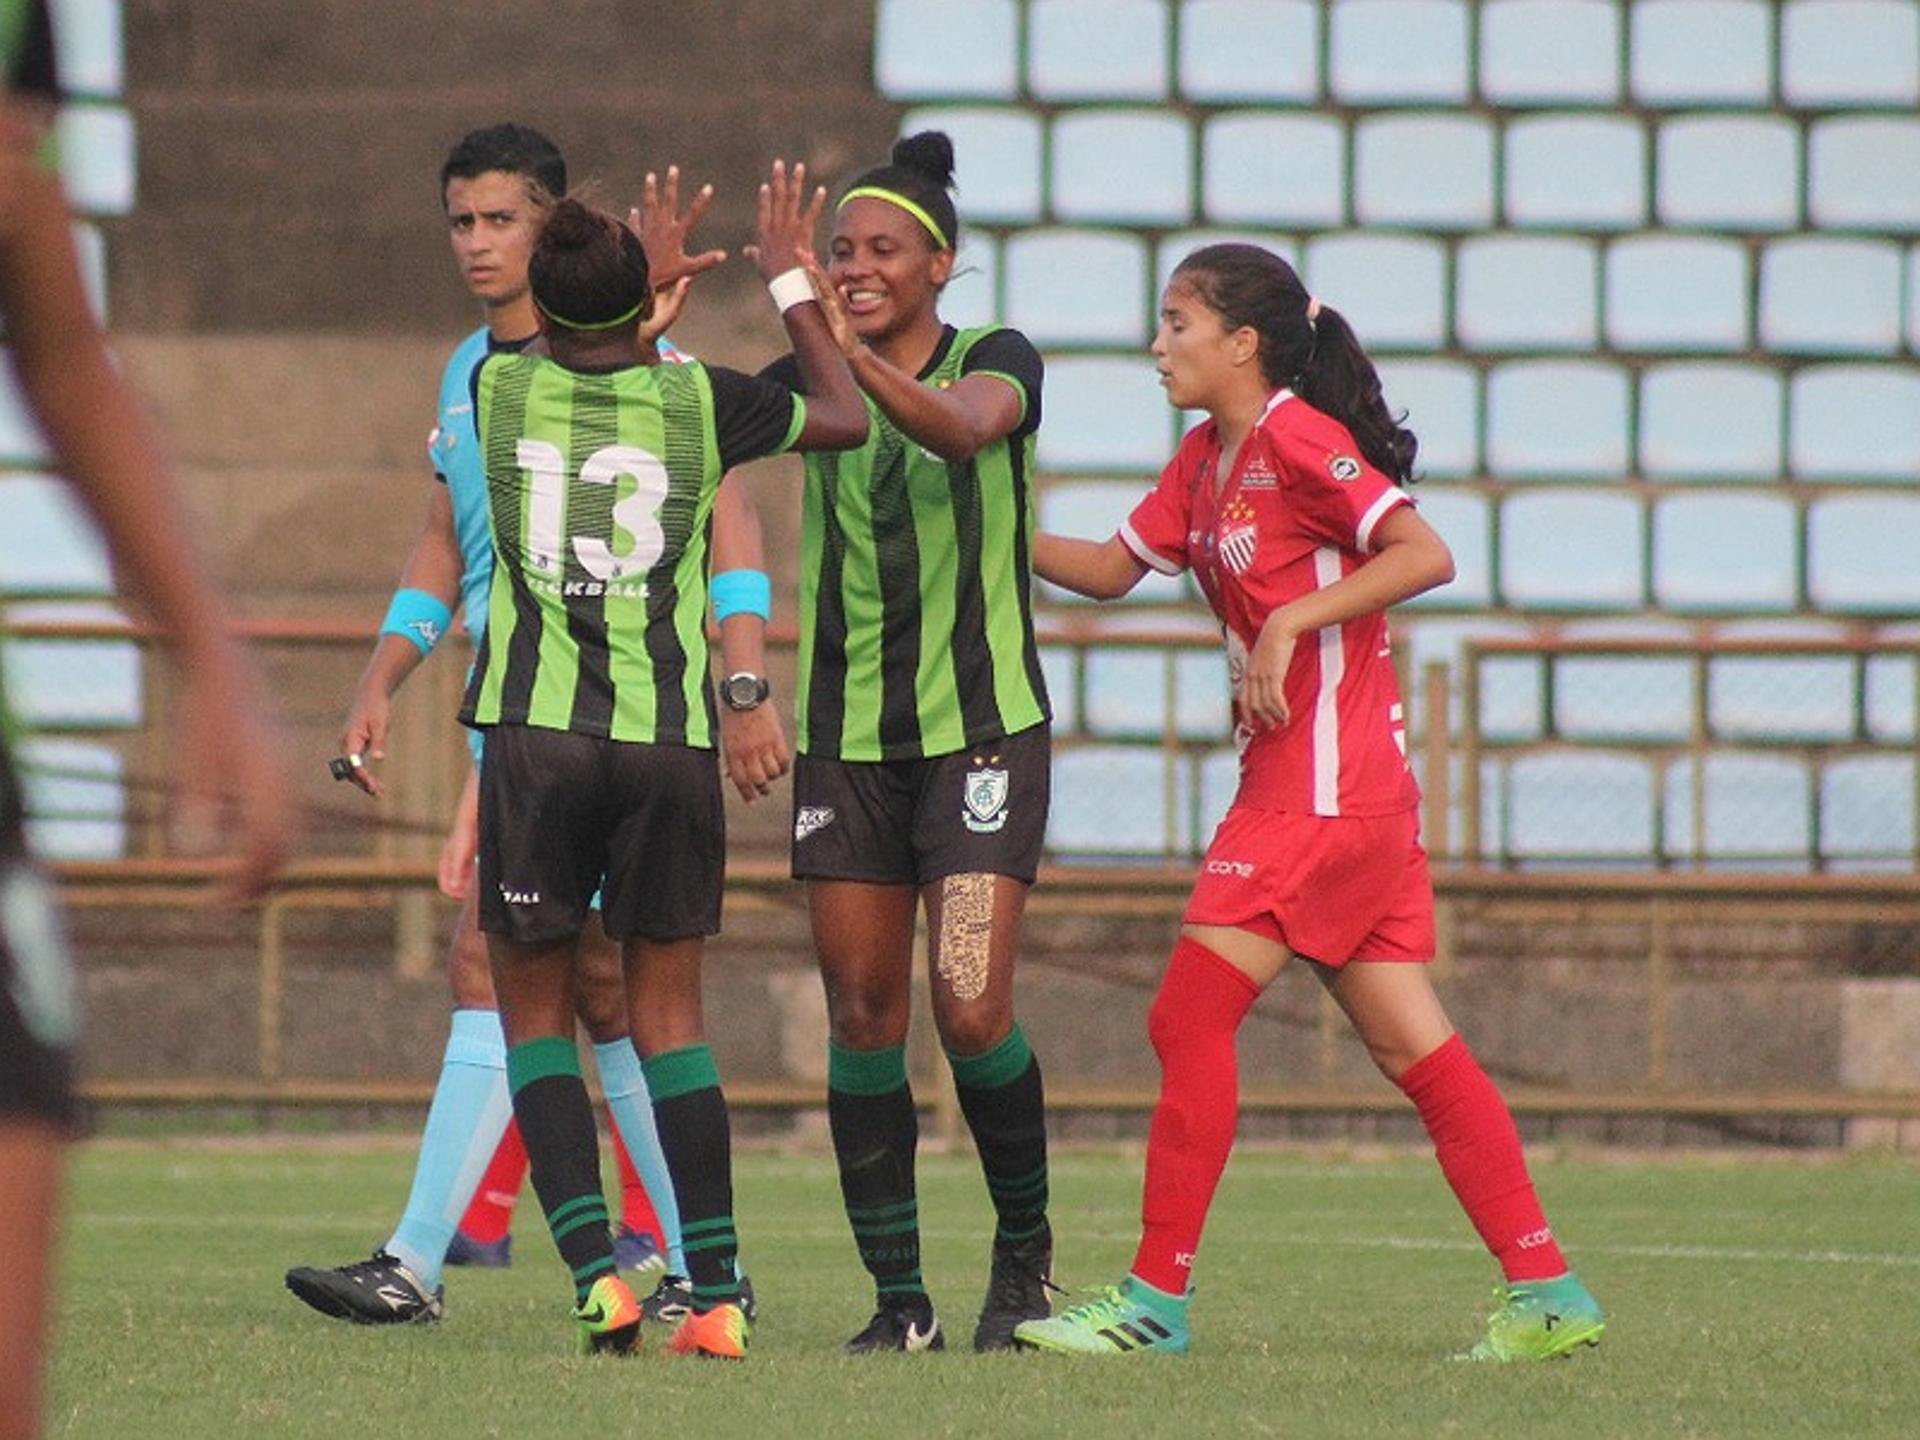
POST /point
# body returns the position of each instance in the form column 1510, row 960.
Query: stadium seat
column 1429, row 170
column 972, row 296
column 97, row 158
column 1701, row 52
column 1265, row 169
column 1587, row 172
column 1913, row 299
column 1623, row 697
column 1860, row 553
column 1182, row 243
column 1725, row 550
column 1392, row 289
column 75, row 798
column 1569, row 807
column 63, row 684
column 1126, row 694
column 1825, row 294
column 1526, row 292
column 21, row 442
column 1513, row 697
column 1093, row 510
column 1677, row 292
column 50, row 543
column 1855, row 422
column 91, row 246
column 947, row 49
column 1105, row 412
column 1572, row 550
column 1057, row 668
column 1461, row 516
column 1892, row 682
column 91, row 57
column 1219, row 781
column 1866, row 808
column 1755, row 807
column 1740, row 172
column 1441, row 402
column 1711, row 421
column 1398, row 52
column 1549, row 52
column 1864, row 172
column 1777, row 697
column 1849, row 52
column 1507, row 706
column 1217, row 36
column 996, row 159
column 1078, row 287
column 1130, row 167
column 1112, row 800
column 1098, row 49
column 1557, row 418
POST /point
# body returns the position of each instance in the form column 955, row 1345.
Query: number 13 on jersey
column 612, row 543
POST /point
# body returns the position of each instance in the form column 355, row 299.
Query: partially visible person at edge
column 591, row 686
column 1287, row 505
column 226, row 768
column 921, row 719
column 495, row 186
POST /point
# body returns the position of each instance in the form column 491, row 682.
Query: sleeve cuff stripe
column 1144, row 552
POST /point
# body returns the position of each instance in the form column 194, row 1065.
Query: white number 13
column 637, row 514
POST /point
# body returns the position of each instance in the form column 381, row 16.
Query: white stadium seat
column 1550, row 52
column 947, row 49
column 1711, row 421
column 1098, row 49
column 1670, row 292
column 1701, row 52
column 1218, row 37
column 1398, row 52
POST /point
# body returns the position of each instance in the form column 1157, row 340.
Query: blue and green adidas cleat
column 1130, row 1318
column 1540, row 1319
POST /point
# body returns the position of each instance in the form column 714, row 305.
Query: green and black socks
column 563, row 1151
column 875, row 1133
column 1005, row 1105
column 691, row 1115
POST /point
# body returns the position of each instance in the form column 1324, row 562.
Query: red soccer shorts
column 1331, row 888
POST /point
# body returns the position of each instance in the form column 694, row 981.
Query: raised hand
column 663, row 230
column 783, row 235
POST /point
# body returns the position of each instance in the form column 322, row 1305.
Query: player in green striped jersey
column 922, row 727
column 592, row 688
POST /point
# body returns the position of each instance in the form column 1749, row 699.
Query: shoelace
column 1109, row 1307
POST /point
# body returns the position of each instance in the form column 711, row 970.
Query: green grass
column 1748, row 1297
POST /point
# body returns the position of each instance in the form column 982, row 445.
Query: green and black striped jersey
column 26, row 49
column 916, row 612
column 600, row 494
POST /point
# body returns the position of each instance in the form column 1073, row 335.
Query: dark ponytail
column 1318, row 356
column 920, row 169
column 588, row 270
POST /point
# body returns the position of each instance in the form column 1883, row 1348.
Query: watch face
column 743, row 692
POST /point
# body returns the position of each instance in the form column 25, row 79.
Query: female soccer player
column 921, row 724
column 591, row 685
column 104, row 445
column 1287, row 507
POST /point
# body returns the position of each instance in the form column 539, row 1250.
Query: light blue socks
column 626, row 1091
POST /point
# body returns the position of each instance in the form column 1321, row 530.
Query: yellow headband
column 613, row 324
column 876, row 192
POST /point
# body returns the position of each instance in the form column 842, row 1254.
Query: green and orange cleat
column 1539, row 1320
column 609, row 1318
column 1131, row 1318
column 716, row 1334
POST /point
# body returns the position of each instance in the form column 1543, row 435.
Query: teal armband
column 418, row 617
column 741, row 592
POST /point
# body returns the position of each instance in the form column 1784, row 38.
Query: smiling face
column 492, row 223
column 883, row 263
column 1201, row 362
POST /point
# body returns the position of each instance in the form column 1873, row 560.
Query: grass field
column 1745, row 1297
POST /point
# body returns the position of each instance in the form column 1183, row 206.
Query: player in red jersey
column 1287, row 504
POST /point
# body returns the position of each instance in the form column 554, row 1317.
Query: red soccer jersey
column 1297, row 513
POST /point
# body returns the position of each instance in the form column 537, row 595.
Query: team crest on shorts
column 810, row 819
column 1239, row 539
column 986, row 796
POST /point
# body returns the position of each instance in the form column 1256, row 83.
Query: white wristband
column 790, row 288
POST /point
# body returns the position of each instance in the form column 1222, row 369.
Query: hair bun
column 930, row 153
column 570, row 225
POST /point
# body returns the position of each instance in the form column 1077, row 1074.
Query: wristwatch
column 745, row 690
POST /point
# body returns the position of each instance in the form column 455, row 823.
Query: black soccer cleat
column 901, row 1323
column 379, row 1291
column 672, row 1301
column 1016, row 1290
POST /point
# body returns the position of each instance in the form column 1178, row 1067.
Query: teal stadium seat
column 1127, row 167
column 997, row 163
column 1464, row 520
column 1175, row 247
column 1526, row 292
column 1766, row 697
column 1440, row 400
column 1430, row 171
column 1105, row 412
column 91, row 57
column 1623, row 698
column 1669, row 292
column 1586, row 172
column 1218, row 36
column 1831, row 295
column 50, row 543
column 1863, row 172
column 1725, row 550
column 1836, row 53
column 1078, row 287
column 947, row 49
column 1392, row 289
column 1557, row 419
column 1572, row 550
column 1867, row 809
column 1712, row 421
column 97, row 158
column 1757, row 808
column 75, row 799
column 1550, row 52
column 1265, row 169
column 972, row 296
column 1398, row 52
column 1593, row 806
column 1860, row 554
column 1093, row 510
column 1732, row 172
column 1098, row 49
column 1701, row 52
column 1111, row 800
column 1855, row 422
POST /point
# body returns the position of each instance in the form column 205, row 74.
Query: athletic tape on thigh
column 966, row 934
